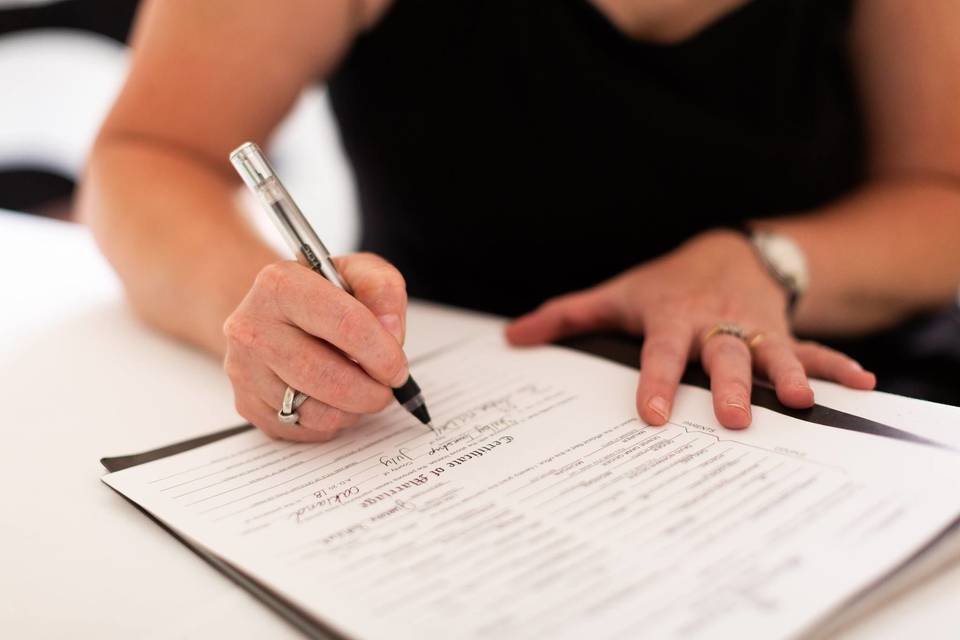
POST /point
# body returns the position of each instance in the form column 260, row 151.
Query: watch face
column 785, row 259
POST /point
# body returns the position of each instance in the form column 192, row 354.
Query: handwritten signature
column 402, row 456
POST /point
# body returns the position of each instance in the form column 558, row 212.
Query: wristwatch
column 785, row 261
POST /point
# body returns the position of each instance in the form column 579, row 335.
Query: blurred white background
column 59, row 84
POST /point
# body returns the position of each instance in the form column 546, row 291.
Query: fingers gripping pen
column 305, row 244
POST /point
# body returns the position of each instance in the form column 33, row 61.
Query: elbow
column 90, row 199
column 98, row 206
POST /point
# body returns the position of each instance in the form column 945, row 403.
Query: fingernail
column 734, row 401
column 658, row 404
column 392, row 323
column 856, row 366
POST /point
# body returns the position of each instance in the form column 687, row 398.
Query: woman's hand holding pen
column 675, row 302
column 295, row 328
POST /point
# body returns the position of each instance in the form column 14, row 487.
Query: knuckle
column 242, row 331
column 389, row 277
column 350, row 326
column 379, row 278
column 233, row 367
column 274, row 278
column 273, row 273
column 386, row 289
column 230, row 326
column 267, row 278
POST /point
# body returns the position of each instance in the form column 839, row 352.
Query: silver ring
column 292, row 399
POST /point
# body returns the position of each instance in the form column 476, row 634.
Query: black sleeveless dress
column 506, row 152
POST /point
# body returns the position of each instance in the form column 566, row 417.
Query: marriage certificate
column 542, row 507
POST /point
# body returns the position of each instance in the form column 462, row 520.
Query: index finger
column 307, row 300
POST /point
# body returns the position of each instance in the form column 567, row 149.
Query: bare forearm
column 889, row 250
column 169, row 226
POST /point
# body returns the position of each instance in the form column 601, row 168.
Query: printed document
column 542, row 507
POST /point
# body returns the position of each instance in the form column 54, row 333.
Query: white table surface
column 80, row 378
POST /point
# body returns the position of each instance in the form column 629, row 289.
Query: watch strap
column 786, row 283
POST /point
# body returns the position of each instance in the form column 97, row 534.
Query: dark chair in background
column 26, row 182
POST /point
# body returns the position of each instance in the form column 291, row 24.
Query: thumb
column 378, row 286
column 588, row 310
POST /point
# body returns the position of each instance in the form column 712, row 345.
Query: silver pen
column 306, row 245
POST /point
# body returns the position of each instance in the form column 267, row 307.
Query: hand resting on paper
column 674, row 302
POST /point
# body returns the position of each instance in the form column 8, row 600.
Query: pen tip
column 421, row 413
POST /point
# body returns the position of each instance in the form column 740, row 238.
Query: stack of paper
column 544, row 508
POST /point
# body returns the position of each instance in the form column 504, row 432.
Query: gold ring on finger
column 725, row 329
column 756, row 339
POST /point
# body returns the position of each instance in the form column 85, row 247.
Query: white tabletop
column 80, row 378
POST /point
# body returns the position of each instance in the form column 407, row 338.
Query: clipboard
column 615, row 347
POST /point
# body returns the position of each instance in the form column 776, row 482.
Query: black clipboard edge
column 294, row 615
column 119, row 463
